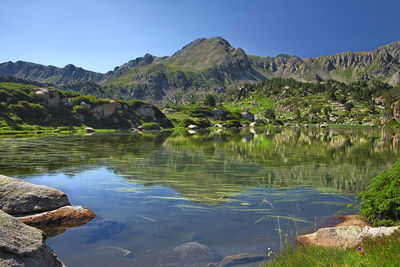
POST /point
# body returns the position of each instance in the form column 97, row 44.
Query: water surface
column 234, row 192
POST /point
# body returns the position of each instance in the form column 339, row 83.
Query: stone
column 189, row 254
column 247, row 116
column 193, row 127
column 218, row 112
column 54, row 99
column 255, row 124
column 90, row 130
column 169, row 111
column 396, row 111
column 81, row 117
column 241, row 259
column 356, row 220
column 323, row 126
column 66, row 102
column 108, row 109
column 22, row 245
column 386, row 117
column 19, row 197
column 344, row 236
column 218, row 125
column 86, row 106
column 67, row 216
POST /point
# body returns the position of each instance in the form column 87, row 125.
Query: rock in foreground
column 67, row 216
column 344, row 236
column 22, row 245
column 19, row 197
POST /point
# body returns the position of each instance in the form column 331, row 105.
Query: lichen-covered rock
column 344, row 236
column 67, row 216
column 19, row 197
column 22, row 245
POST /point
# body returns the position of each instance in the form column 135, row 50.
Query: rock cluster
column 22, row 245
column 35, row 205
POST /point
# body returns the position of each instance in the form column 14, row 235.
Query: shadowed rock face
column 19, row 197
column 22, row 245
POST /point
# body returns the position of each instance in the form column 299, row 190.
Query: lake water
column 235, row 192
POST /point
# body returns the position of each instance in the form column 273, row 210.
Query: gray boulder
column 189, row 254
column 248, row 116
column 244, row 259
column 22, row 245
column 19, row 197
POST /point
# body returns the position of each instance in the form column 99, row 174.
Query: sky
column 99, row 35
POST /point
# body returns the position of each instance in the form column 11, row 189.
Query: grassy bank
column 382, row 252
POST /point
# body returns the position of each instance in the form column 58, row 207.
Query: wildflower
column 359, row 248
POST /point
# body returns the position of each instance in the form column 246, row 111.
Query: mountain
column 210, row 66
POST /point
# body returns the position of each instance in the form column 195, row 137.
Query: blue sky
column 101, row 34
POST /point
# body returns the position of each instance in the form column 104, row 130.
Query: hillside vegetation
column 27, row 107
column 210, row 66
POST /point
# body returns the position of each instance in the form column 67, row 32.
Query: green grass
column 384, row 251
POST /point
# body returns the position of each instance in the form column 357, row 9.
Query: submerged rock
column 189, row 254
column 244, row 259
column 22, row 245
column 67, row 216
column 19, row 197
column 356, row 220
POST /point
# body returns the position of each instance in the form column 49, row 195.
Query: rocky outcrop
column 39, row 205
column 344, row 236
column 355, row 220
column 19, row 197
column 22, row 245
column 67, row 216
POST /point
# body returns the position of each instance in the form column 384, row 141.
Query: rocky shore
column 23, row 204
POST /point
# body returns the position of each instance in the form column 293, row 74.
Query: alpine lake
column 233, row 191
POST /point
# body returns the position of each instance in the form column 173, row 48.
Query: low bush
column 380, row 203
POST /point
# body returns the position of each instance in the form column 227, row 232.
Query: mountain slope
column 211, row 66
column 49, row 74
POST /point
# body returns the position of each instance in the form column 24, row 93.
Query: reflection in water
column 228, row 190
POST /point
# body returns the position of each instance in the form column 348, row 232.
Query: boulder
column 189, row 254
column 67, row 216
column 241, row 259
column 386, row 117
column 90, row 130
column 22, row 245
column 218, row 113
column 396, row 111
column 193, row 127
column 66, row 102
column 255, row 124
column 247, row 116
column 344, row 236
column 19, row 197
column 169, row 111
column 356, row 220
column 86, row 106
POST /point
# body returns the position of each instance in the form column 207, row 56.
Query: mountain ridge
column 212, row 65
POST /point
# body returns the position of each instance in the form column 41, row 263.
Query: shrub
column 148, row 126
column 201, row 111
column 381, row 201
column 209, row 100
column 270, row 114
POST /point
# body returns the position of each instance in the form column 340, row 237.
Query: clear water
column 234, row 192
